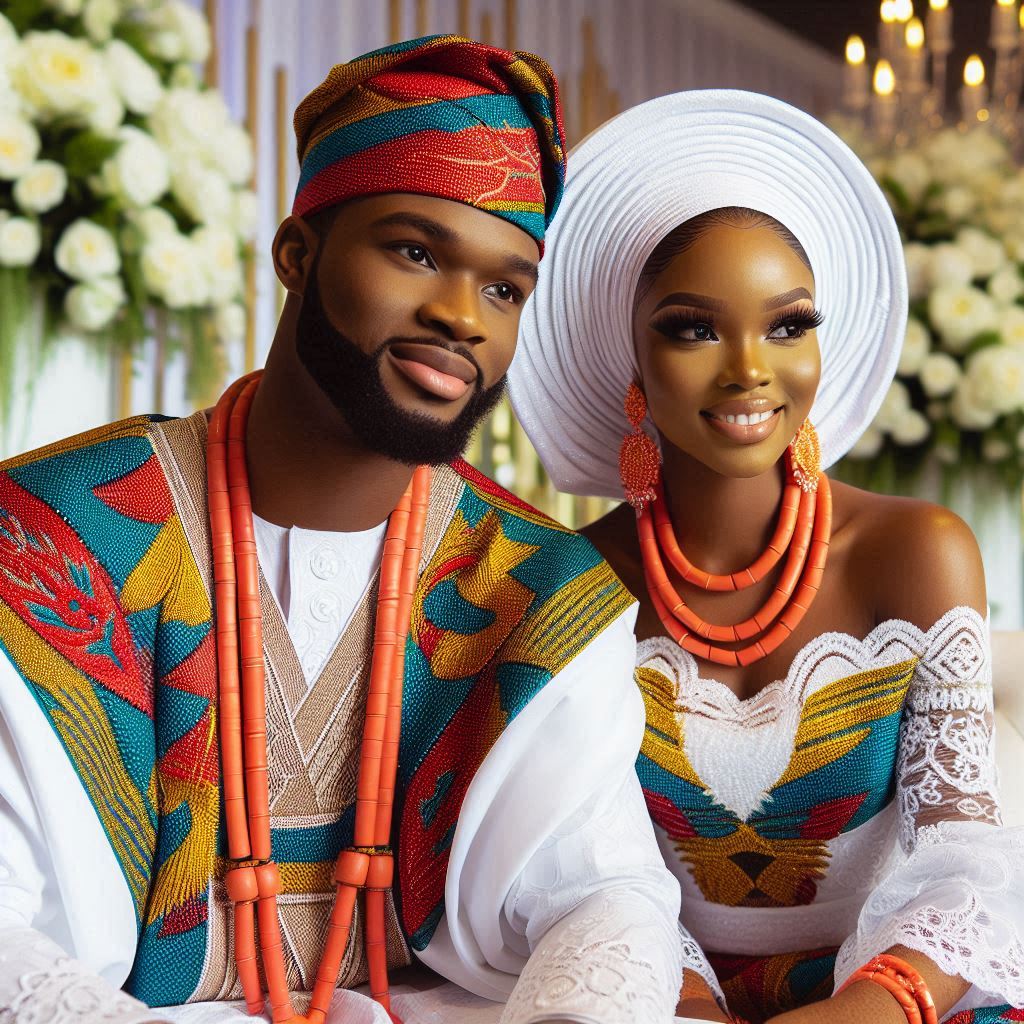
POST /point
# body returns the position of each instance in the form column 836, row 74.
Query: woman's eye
column 503, row 291
column 784, row 331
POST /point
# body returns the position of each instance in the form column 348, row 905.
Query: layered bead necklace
column 802, row 535
column 254, row 881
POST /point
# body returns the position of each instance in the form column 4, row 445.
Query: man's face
column 409, row 319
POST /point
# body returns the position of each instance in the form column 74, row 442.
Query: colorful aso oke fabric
column 701, row 151
column 105, row 613
column 440, row 116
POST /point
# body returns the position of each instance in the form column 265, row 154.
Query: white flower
column 179, row 32
column 995, row 449
column 949, row 264
column 958, row 202
column 137, row 174
column 42, row 187
column 939, row 374
column 136, row 82
column 960, row 313
column 894, row 405
column 1006, row 285
column 87, row 251
column 995, row 378
column 966, row 414
column 986, row 253
column 910, row 171
column 1011, row 325
column 173, row 271
column 92, row 305
column 937, row 411
column 235, row 160
column 99, row 18
column 868, row 445
column 72, row 8
column 190, row 123
column 204, row 193
column 218, row 249
column 183, row 76
column 911, row 428
column 106, row 115
column 916, row 345
column 19, row 145
column 247, row 214
column 58, row 76
column 229, row 322
column 19, row 242
column 918, row 259
column 151, row 222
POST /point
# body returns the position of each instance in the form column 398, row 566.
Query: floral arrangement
column 123, row 181
column 959, row 393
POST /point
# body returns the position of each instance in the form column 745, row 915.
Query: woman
column 716, row 323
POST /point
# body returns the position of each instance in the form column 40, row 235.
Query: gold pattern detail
column 805, row 450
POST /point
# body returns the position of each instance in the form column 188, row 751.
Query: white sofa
column 1008, row 681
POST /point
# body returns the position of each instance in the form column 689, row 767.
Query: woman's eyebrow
column 691, row 299
column 787, row 297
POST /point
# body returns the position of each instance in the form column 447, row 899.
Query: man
column 521, row 844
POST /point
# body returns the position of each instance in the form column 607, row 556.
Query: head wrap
column 439, row 116
column 701, row 151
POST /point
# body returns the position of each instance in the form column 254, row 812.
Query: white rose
column 911, row 428
column 87, row 251
column 229, row 322
column 949, row 264
column 1006, row 285
column 939, row 374
column 19, row 145
column 916, row 346
column 236, row 160
column 218, row 250
column 204, row 193
column 179, row 32
column 92, row 305
column 957, row 202
column 918, row 259
column 72, row 8
column 190, row 123
column 106, row 115
column 59, row 76
column 1011, row 325
column 995, row 449
column 247, row 214
column 136, row 82
column 152, row 221
column 99, row 18
column 960, row 313
column 137, row 174
column 894, row 405
column 986, row 253
column 910, row 171
column 183, row 76
column 966, row 414
column 995, row 378
column 173, row 271
column 42, row 187
column 9, row 46
column 868, row 445
column 19, row 242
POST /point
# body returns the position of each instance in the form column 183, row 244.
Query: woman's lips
column 744, row 426
column 437, row 371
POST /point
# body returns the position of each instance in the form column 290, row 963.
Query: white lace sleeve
column 955, row 896
column 599, row 911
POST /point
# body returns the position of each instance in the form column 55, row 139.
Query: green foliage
column 86, row 153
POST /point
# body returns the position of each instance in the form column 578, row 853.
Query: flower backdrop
column 124, row 199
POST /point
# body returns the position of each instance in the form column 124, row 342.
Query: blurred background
column 146, row 159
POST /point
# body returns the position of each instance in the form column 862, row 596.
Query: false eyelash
column 673, row 324
column 801, row 318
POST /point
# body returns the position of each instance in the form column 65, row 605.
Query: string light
column 915, row 34
column 855, row 50
column 974, row 70
column 885, row 78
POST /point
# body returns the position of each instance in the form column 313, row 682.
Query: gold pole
column 281, row 120
column 124, row 385
column 511, row 23
column 395, row 20
column 487, row 28
column 252, row 102
column 160, row 337
column 464, row 21
column 213, row 61
column 422, row 18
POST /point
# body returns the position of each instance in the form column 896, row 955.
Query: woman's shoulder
column 917, row 559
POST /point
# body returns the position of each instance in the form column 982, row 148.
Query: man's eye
column 504, row 291
column 415, row 253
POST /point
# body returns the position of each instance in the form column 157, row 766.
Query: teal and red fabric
column 441, row 116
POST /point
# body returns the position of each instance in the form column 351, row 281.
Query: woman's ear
column 294, row 253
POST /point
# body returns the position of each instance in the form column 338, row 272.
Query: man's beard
column 351, row 379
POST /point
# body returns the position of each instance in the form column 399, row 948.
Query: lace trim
column 41, row 984
column 957, row 900
column 587, row 969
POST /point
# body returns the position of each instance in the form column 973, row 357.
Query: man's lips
column 435, row 369
column 745, row 421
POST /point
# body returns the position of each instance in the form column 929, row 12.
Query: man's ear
column 294, row 253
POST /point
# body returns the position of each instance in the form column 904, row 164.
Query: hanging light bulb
column 903, row 10
column 885, row 79
column 855, row 50
column 974, row 71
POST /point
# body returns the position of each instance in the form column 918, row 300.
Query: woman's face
column 727, row 344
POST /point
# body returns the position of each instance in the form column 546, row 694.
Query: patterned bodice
column 785, row 802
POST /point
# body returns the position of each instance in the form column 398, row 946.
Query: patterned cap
column 439, row 116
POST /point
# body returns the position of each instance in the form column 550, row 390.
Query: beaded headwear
column 440, row 116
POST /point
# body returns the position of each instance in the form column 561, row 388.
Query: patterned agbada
column 105, row 612
column 439, row 116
